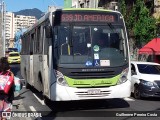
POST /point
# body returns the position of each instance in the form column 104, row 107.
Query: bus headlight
column 123, row 77
column 60, row 79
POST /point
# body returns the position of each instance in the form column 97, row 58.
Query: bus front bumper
column 63, row 93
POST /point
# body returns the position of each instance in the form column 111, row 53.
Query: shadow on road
column 86, row 108
column 19, row 95
column 151, row 99
column 81, row 108
column 88, row 105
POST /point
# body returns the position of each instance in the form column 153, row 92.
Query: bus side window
column 48, row 31
column 46, row 42
column 32, row 45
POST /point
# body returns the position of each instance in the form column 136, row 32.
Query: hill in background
column 30, row 12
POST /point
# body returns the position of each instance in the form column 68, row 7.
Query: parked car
column 145, row 79
column 14, row 57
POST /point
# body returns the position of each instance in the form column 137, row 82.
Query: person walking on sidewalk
column 6, row 98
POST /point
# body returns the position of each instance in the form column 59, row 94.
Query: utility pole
column 2, row 29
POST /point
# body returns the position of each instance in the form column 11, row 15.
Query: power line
column 54, row 3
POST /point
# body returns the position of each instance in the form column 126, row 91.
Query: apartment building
column 156, row 9
column 104, row 4
column 13, row 24
column 22, row 22
column 81, row 3
column 9, row 27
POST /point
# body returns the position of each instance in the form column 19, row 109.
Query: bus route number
column 87, row 18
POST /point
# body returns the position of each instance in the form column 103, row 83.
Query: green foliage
column 139, row 21
column 145, row 25
column 123, row 8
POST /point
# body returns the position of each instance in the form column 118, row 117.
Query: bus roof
column 89, row 9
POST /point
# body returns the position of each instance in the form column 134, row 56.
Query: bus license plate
column 94, row 91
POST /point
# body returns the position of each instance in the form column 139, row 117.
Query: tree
column 139, row 22
column 123, row 8
column 144, row 28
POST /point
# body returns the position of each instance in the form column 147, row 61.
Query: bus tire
column 137, row 94
column 47, row 101
column 26, row 83
column 41, row 82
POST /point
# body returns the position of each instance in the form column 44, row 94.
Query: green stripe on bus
column 92, row 82
column 88, row 9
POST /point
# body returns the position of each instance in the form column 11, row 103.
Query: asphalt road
column 29, row 100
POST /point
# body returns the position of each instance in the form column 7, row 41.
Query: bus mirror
column 48, row 32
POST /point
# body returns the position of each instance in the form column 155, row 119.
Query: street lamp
column 3, row 27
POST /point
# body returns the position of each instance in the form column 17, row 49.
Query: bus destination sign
column 66, row 17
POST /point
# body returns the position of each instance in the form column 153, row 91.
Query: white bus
column 77, row 54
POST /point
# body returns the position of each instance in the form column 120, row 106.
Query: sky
column 17, row 5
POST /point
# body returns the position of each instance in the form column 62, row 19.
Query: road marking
column 129, row 99
column 34, row 110
column 41, row 101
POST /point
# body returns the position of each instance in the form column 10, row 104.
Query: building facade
column 67, row 3
column 22, row 22
column 9, row 27
column 2, row 32
column 156, row 9
column 104, row 4
column 81, row 3
column 13, row 24
column 109, row 4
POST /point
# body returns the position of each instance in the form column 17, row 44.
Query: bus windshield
column 92, row 45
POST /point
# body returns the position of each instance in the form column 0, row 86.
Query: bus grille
column 81, row 75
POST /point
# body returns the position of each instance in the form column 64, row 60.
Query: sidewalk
column 18, row 104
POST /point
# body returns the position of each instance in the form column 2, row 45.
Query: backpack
column 6, row 82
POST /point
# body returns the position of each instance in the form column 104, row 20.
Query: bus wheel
column 46, row 100
column 137, row 94
column 26, row 83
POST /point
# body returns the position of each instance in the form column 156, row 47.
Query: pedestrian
column 6, row 98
